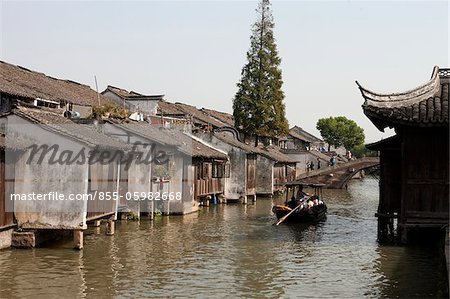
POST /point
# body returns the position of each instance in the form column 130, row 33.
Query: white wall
column 44, row 178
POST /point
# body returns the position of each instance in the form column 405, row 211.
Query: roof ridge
column 424, row 106
column 205, row 143
column 425, row 88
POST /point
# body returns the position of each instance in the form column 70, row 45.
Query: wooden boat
column 305, row 213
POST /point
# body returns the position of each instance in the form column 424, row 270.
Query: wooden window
column 205, row 171
column 218, row 170
column 198, row 170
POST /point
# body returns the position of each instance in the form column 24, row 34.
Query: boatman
column 300, row 193
column 295, row 201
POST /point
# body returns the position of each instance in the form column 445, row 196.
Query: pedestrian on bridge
column 332, row 162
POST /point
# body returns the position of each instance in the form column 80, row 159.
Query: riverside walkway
column 337, row 177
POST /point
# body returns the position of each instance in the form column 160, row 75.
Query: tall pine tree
column 258, row 106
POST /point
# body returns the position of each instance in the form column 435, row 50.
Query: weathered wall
column 176, row 163
column 294, row 143
column 425, row 175
column 5, row 238
column 102, row 178
column 264, row 175
column 42, row 178
column 5, row 103
column 140, row 176
column 149, row 106
column 235, row 185
column 118, row 100
column 187, row 204
column 304, row 157
column 7, row 170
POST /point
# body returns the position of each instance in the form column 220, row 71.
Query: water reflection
column 232, row 251
column 403, row 272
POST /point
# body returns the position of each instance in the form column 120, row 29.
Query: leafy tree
column 340, row 131
column 258, row 106
column 361, row 150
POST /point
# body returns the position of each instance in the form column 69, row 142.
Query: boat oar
column 287, row 215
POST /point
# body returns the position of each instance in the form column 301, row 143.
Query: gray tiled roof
column 270, row 152
column 85, row 134
column 21, row 82
column 424, row 106
column 183, row 142
column 131, row 95
column 301, row 134
column 198, row 116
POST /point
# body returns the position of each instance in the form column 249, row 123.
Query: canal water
column 233, row 251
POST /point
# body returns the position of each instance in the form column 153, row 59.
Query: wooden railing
column 208, row 186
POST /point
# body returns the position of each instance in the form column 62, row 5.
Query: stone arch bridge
column 337, row 177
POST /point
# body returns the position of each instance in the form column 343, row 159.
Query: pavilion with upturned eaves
column 414, row 163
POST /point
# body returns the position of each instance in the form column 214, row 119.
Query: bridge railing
column 355, row 164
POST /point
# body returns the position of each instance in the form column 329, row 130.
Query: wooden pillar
column 403, row 234
column 78, row 239
column 254, row 198
column 446, row 248
column 381, row 229
column 97, row 223
column 97, row 230
column 110, row 227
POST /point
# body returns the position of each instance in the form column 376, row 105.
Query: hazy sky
column 193, row 51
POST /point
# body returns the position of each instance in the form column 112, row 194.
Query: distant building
column 299, row 139
column 414, row 164
column 133, row 101
column 201, row 119
column 253, row 170
column 304, row 148
column 195, row 169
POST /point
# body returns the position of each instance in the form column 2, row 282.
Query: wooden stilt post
column 151, row 213
column 97, row 230
column 97, row 223
column 403, row 233
column 110, row 227
column 446, row 247
column 78, row 239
